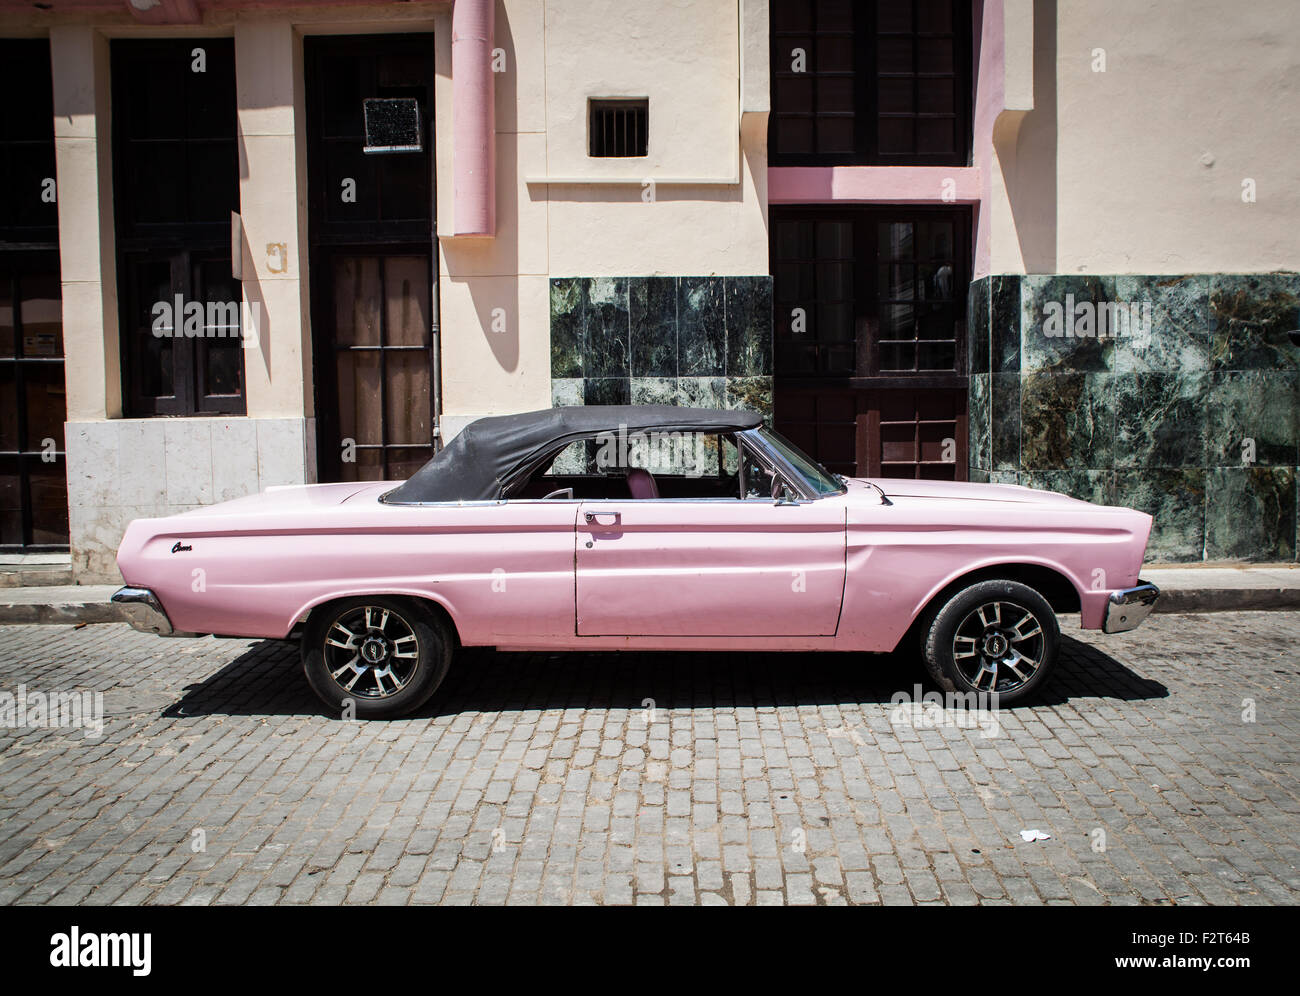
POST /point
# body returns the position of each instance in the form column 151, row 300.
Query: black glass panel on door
column 33, row 468
column 33, row 405
column 861, row 82
column 176, row 182
column 870, row 329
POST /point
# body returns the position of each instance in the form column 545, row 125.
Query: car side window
column 640, row 465
column 757, row 477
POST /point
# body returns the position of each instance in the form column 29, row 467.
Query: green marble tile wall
column 694, row 341
column 1173, row 394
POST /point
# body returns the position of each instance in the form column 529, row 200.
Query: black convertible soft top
column 492, row 453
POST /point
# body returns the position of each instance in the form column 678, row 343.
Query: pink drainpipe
column 473, row 118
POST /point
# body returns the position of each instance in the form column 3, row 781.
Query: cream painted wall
column 83, row 158
column 709, row 209
column 1139, row 169
column 682, row 55
column 273, row 206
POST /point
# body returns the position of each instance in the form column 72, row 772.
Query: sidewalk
column 1189, row 588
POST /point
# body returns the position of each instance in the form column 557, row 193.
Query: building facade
column 247, row 244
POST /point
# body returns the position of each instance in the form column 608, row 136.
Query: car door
column 709, row 567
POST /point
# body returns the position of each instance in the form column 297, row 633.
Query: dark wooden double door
column 870, row 337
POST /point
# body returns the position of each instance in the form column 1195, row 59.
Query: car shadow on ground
column 267, row 679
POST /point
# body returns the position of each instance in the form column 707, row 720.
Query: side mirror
column 783, row 495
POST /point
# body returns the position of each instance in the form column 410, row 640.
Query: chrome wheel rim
column 371, row 652
column 999, row 647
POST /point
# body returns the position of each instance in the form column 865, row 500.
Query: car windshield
column 821, row 480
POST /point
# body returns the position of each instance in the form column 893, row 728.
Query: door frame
column 326, row 240
column 865, row 384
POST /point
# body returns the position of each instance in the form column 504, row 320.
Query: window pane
column 834, row 281
column 835, row 54
column 935, row 95
column 404, row 185
column 934, row 55
column 48, row 493
column 156, row 364
column 834, row 15
column 835, row 238
column 896, row 321
column 222, row 364
column 157, row 195
column 835, row 135
column 150, row 355
column 894, row 55
column 934, row 15
column 896, row 136
column 835, row 322
column 896, row 96
column 935, row 136
column 894, row 15
column 897, row 357
column 896, row 282
column 46, row 404
column 212, row 189
column 794, row 93
column 791, row 15
column 6, row 315
column 11, row 508
column 937, row 356
column 894, row 240
column 835, row 95
column 9, row 408
column 794, row 135
column 42, row 314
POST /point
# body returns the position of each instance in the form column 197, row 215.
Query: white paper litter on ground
column 1028, row 836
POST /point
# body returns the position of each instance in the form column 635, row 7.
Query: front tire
column 995, row 636
column 375, row 657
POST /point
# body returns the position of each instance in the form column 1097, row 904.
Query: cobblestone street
column 642, row 778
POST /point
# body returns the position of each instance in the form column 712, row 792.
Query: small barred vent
column 618, row 128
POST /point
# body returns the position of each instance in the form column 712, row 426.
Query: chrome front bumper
column 144, row 612
column 1126, row 609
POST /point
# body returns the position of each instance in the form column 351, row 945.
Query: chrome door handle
column 594, row 517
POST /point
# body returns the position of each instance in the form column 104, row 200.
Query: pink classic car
column 637, row 528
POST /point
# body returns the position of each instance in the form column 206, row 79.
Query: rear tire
column 995, row 636
column 375, row 657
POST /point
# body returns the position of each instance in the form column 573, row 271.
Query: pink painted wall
column 874, row 184
column 989, row 64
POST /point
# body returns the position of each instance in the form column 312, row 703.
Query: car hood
column 963, row 490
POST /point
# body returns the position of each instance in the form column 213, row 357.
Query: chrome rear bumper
column 144, row 612
column 1126, row 609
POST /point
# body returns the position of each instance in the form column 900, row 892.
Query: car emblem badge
column 180, row 547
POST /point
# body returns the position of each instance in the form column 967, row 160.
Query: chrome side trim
column 1128, row 608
